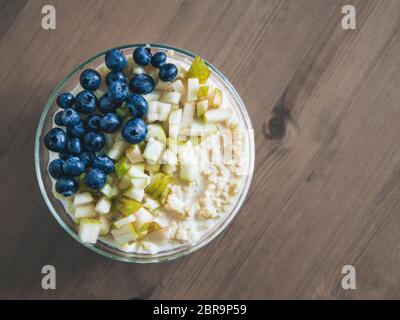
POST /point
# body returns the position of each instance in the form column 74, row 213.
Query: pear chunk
column 89, row 230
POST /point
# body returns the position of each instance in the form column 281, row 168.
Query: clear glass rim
column 191, row 248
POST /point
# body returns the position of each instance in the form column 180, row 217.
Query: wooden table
column 325, row 106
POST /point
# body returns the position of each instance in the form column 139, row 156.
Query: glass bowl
column 55, row 205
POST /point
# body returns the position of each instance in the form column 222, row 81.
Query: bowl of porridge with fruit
column 144, row 153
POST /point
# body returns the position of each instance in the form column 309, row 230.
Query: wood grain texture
column 326, row 190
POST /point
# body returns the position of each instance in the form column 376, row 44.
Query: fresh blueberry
column 56, row 168
column 110, row 123
column 94, row 141
column 115, row 60
column 137, row 105
column 76, row 130
column 104, row 163
column 56, row 140
column 87, row 158
column 95, row 178
column 64, row 155
column 58, row 118
column 142, row 84
column 115, row 76
column 90, row 79
column 67, row 186
column 86, row 101
column 73, row 167
column 142, row 56
column 74, row 146
column 106, row 105
column 118, row 91
column 65, row 100
column 158, row 59
column 168, row 72
column 70, row 117
column 134, row 131
column 92, row 122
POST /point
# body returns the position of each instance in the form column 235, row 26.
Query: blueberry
column 86, row 101
column 73, row 167
column 56, row 140
column 67, row 186
column 64, row 155
column 110, row 123
column 104, row 163
column 56, row 168
column 90, row 79
column 58, row 118
column 168, row 72
column 158, row 59
column 87, row 158
column 94, row 141
column 142, row 56
column 118, row 91
column 70, row 117
column 137, row 105
column 76, row 130
column 65, row 100
column 74, row 146
column 106, row 105
column 115, row 76
column 115, row 60
column 92, row 122
column 142, row 84
column 95, row 178
column 134, row 131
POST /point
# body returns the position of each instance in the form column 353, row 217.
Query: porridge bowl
column 158, row 167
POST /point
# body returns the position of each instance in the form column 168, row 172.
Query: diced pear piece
column 163, row 86
column 109, row 191
column 171, row 97
column 172, row 145
column 134, row 154
column 154, row 150
column 178, row 86
column 163, row 110
column 152, row 168
column 168, row 169
column 125, row 234
column 169, row 157
column 124, row 183
column 158, row 236
column 188, row 163
column 140, row 182
column 142, row 216
column 201, row 107
column 152, row 96
column 138, row 70
column 217, row 115
column 193, row 87
column 122, row 166
column 117, row 150
column 136, row 194
column 174, row 122
column 124, row 221
column 103, row 71
column 89, row 230
column 159, row 182
column 85, row 211
column 105, row 225
column 103, row 206
column 187, row 116
column 127, row 206
column 83, row 198
column 156, row 132
column 151, row 204
column 136, row 170
column 216, row 98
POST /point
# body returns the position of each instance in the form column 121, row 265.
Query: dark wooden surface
column 326, row 190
